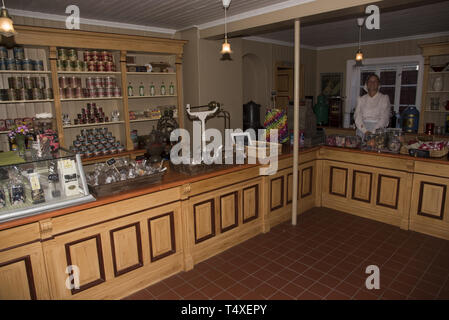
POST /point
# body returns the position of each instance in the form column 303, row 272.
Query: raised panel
column 16, row 280
column 306, row 182
column 126, row 247
column 162, row 236
column 388, row 191
column 277, row 193
column 204, row 220
column 432, row 199
column 361, row 186
column 338, row 181
column 289, row 188
column 229, row 211
column 87, row 255
column 250, row 203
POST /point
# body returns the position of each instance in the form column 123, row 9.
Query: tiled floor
column 324, row 257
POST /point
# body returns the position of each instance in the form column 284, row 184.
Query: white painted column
column 296, row 124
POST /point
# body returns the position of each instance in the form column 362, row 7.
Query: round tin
column 19, row 65
column 63, row 82
column 37, row 94
column 74, row 82
column 11, row 64
column 69, row 93
column 38, row 65
column 22, row 94
column 87, row 55
column 27, row 64
column 91, row 92
column 72, row 55
column 94, row 55
column 12, row 95
column 77, row 92
column 109, row 66
column 109, row 92
column 15, row 82
column 100, row 66
column 48, row 93
column 68, row 65
column 98, row 82
column 19, row 53
column 3, row 52
column 2, row 64
column 100, row 92
column 62, row 54
column 61, row 93
column 27, row 82
column 90, row 82
column 91, row 66
column 60, row 65
column 117, row 92
column 39, row 82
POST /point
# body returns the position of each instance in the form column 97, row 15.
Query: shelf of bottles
column 25, row 89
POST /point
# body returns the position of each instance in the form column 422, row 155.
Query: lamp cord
column 360, row 36
column 226, row 29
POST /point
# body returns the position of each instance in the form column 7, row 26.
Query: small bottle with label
column 163, row 92
column 141, row 90
column 171, row 89
column 152, row 90
column 130, row 90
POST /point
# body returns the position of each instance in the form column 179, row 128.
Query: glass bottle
column 171, row 89
column 130, row 90
column 141, row 90
column 163, row 89
column 152, row 90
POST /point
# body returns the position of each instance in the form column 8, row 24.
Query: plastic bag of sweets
column 16, row 188
column 2, row 197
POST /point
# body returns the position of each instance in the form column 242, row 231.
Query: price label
column 111, row 162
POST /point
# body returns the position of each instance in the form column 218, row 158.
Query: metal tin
column 27, row 82
column 100, row 92
column 75, row 65
column 91, row 66
column 27, row 64
column 48, row 93
column 2, row 64
column 61, row 93
column 62, row 54
column 104, row 56
column 94, row 56
column 12, row 94
column 63, row 82
column 22, row 94
column 38, row 65
column 74, row 82
column 37, row 94
column 109, row 66
column 110, row 57
column 19, row 65
column 90, row 82
column 15, row 82
column 39, row 82
column 68, row 65
column 109, row 82
column 19, row 53
column 87, row 55
column 100, row 66
column 117, row 92
column 3, row 52
column 109, row 92
column 77, row 93
column 69, row 93
column 60, row 65
column 72, row 55
column 98, row 82
column 11, row 64
column 91, row 93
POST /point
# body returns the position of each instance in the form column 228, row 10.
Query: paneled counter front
column 120, row 244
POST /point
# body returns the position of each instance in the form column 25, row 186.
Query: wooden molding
column 29, row 272
column 282, row 193
column 256, row 187
column 331, row 177
column 212, row 217
column 421, row 200
column 379, row 188
column 354, row 176
column 303, row 195
column 153, row 255
column 236, row 212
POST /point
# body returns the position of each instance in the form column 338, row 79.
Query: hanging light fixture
column 226, row 47
column 359, row 53
column 6, row 25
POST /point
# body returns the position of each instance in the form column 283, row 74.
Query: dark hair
column 372, row 75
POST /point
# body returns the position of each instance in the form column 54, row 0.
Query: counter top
column 173, row 179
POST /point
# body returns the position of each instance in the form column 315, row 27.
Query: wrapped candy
column 2, row 197
column 16, row 188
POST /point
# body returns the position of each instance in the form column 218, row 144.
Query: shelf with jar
column 150, row 90
column 84, row 61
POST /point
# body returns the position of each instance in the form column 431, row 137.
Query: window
column 399, row 82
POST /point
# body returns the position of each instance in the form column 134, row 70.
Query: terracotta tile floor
column 324, row 257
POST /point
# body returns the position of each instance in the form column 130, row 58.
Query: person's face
column 372, row 84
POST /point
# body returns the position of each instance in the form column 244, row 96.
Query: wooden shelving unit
column 50, row 40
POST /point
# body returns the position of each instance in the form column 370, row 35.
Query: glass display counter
column 31, row 185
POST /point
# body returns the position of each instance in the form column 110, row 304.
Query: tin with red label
column 38, row 94
column 98, row 82
column 109, row 82
column 63, row 82
column 109, row 66
column 90, row 82
column 100, row 66
column 74, row 82
column 87, row 55
column 91, row 66
column 94, row 56
column 77, row 92
column 109, row 92
column 117, row 92
column 39, row 82
column 61, row 93
column 100, row 92
column 69, row 93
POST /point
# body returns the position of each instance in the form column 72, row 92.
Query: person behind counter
column 373, row 109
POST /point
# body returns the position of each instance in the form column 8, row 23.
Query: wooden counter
column 123, row 243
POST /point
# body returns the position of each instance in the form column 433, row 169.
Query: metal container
column 19, row 65
column 100, row 92
column 91, row 66
column 117, row 92
column 38, row 65
column 91, row 93
column 60, row 65
column 39, row 82
column 109, row 92
column 37, row 94
column 72, row 55
column 15, row 82
column 12, row 94
column 90, row 82
column 2, row 64
column 98, row 82
column 68, row 65
column 19, row 53
column 94, row 56
column 11, row 64
column 22, row 94
column 77, row 93
column 62, row 54
column 3, row 52
column 27, row 82
column 48, row 93
column 69, row 93
column 100, row 66
column 61, row 93
column 74, row 82
column 109, row 82
column 87, row 55
column 109, row 66
column 27, row 64
column 63, row 82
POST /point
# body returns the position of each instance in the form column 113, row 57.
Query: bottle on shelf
column 141, row 90
column 163, row 92
column 130, row 90
column 152, row 90
column 171, row 89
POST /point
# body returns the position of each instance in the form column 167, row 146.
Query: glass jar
column 394, row 140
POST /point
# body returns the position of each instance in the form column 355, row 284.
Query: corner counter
column 121, row 244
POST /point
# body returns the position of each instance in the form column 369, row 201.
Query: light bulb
column 6, row 24
column 226, row 48
column 359, row 55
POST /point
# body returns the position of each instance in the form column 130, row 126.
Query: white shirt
column 372, row 111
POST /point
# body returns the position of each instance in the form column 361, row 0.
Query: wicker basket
column 432, row 153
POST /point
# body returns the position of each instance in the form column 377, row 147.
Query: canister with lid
column 100, row 66
column 27, row 64
column 3, row 52
column 38, row 65
column 2, row 64
column 72, row 55
column 15, row 82
column 37, row 94
column 39, row 82
column 11, row 64
column 62, row 54
column 19, row 53
column 27, row 82
column 48, row 93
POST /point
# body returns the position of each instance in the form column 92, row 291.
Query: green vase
column 20, row 141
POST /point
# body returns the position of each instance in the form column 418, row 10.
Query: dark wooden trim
column 443, row 202
column 379, row 183
column 236, row 212
column 102, row 278
column 288, row 187
column 139, row 249
column 303, row 195
column 172, row 237
column 256, row 186
column 331, row 177
column 29, row 271
column 282, row 193
column 212, row 217
column 354, row 173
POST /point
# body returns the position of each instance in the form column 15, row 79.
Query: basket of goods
column 352, row 142
column 432, row 149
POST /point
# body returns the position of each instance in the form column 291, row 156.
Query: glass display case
column 33, row 184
